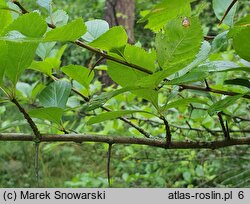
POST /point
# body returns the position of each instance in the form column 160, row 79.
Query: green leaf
column 52, row 114
column 155, row 79
column 177, row 46
column 42, row 66
column 240, row 33
column 220, row 7
column 241, row 43
column 47, row 4
column 98, row 101
column 193, row 76
column 3, row 59
column 220, row 42
column 79, row 73
column 238, row 81
column 127, row 76
column 5, row 16
column 113, row 39
column 222, row 104
column 25, row 89
column 165, row 11
column 58, row 18
column 245, row 69
column 70, row 32
column 243, row 23
column 55, row 95
column 113, row 115
column 217, row 66
column 36, row 90
column 95, row 28
column 182, row 102
column 20, row 55
column 30, row 25
column 201, row 56
column 44, row 49
column 51, row 58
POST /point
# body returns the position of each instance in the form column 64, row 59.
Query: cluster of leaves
column 180, row 56
column 177, row 54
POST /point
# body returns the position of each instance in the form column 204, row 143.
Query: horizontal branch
column 114, row 59
column 126, row 140
column 205, row 89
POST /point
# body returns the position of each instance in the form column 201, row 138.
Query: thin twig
column 96, row 63
column 168, row 132
column 228, row 131
column 36, row 161
column 236, row 118
column 227, row 11
column 24, row 11
column 226, row 135
column 28, row 118
column 87, row 99
column 198, row 88
column 108, row 164
column 209, row 37
column 213, row 132
column 142, row 131
column 207, row 85
column 109, row 57
column 36, row 139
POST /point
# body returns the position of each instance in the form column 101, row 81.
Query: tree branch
column 198, row 88
column 167, row 129
column 24, row 11
column 227, row 11
column 224, row 128
column 28, row 118
column 108, row 164
column 108, row 57
column 126, row 140
column 142, row 131
column 86, row 99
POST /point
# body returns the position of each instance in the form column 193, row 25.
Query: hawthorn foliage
column 177, row 75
